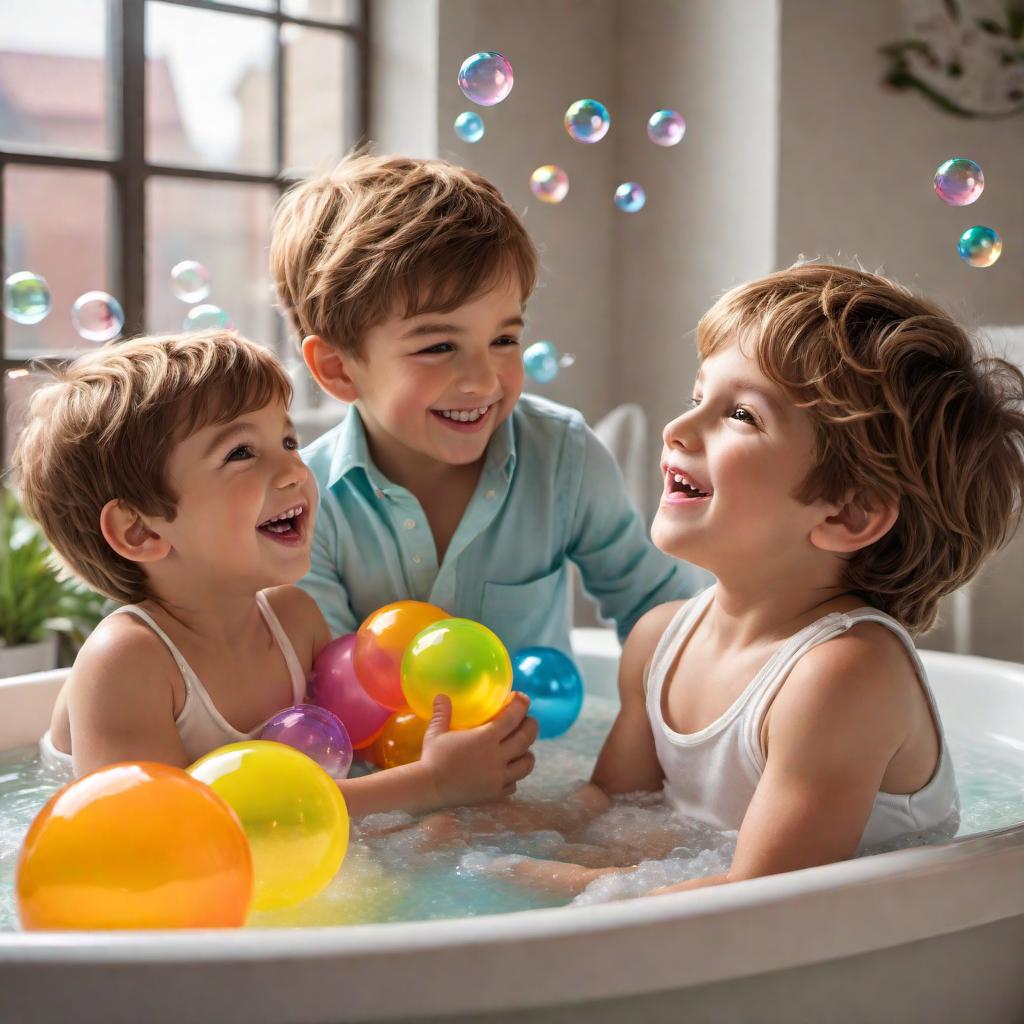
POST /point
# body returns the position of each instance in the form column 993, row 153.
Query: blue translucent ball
column 630, row 196
column 553, row 684
column 541, row 361
column 469, row 126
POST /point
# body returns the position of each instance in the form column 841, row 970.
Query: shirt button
column 410, row 524
column 489, row 495
column 417, row 559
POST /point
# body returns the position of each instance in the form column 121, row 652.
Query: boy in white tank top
column 166, row 474
column 846, row 460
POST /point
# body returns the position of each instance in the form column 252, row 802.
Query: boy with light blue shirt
column 407, row 281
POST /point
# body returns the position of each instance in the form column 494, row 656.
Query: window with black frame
column 143, row 144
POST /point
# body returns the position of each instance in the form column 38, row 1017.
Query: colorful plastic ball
column 469, row 126
column 485, row 78
column 401, row 741
column 630, row 197
column 959, row 181
column 464, row 660
column 554, row 685
column 293, row 814
column 541, row 361
column 587, row 121
column 666, row 128
column 381, row 643
column 135, row 845
column 317, row 733
column 26, row 297
column 549, row 183
column 980, row 246
column 97, row 316
column 333, row 685
column 190, row 281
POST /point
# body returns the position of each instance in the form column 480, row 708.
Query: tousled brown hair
column 382, row 236
column 103, row 430
column 905, row 409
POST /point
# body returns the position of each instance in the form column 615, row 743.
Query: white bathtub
column 930, row 934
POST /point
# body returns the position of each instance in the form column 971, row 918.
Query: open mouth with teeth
column 463, row 419
column 287, row 527
column 683, row 486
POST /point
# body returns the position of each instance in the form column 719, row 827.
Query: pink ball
column 334, row 685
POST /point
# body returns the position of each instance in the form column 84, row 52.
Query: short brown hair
column 104, row 428
column 905, row 410
column 384, row 235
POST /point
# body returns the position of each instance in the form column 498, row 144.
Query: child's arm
column 120, row 699
column 458, row 766
column 620, row 567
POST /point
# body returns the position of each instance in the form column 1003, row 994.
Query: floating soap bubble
column 203, row 318
column 485, row 78
column 980, row 246
column 541, row 361
column 665, row 128
column 190, row 281
column 587, row 121
column 567, row 360
column 959, row 181
column 469, row 126
column 26, row 297
column 97, row 316
column 630, row 196
column 550, row 184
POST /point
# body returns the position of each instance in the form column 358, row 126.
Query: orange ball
column 381, row 643
column 135, row 845
column 401, row 742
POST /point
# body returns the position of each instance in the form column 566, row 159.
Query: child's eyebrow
column 446, row 328
column 239, row 427
column 745, row 385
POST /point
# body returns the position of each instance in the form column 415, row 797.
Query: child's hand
column 470, row 766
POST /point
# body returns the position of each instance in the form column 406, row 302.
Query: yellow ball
column 464, row 660
column 292, row 812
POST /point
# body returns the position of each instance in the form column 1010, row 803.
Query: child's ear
column 130, row 535
column 853, row 525
column 331, row 367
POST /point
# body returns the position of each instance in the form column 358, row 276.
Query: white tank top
column 200, row 725
column 711, row 775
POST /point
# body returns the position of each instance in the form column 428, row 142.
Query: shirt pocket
column 532, row 612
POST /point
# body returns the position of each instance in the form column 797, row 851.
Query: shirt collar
column 352, row 450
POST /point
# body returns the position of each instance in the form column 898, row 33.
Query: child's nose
column 479, row 377
column 292, row 472
column 682, row 432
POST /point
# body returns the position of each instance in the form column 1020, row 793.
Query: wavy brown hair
column 382, row 236
column 906, row 410
column 105, row 426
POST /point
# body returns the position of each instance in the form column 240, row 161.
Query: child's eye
column 437, row 350
column 291, row 444
column 506, row 342
column 743, row 415
column 239, row 453
column 694, row 402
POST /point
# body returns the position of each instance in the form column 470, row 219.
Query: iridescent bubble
column 485, row 78
column 959, row 181
column 97, row 316
column 630, row 196
column 665, row 128
column 567, row 360
column 26, row 297
column 550, row 184
column 203, row 318
column 980, row 246
column 469, row 126
column 190, row 281
column 587, row 121
column 541, row 361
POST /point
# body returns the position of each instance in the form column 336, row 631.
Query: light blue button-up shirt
column 549, row 493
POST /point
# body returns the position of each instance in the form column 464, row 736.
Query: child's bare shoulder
column 123, row 657
column 301, row 619
column 642, row 642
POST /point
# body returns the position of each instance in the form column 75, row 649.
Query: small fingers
column 522, row 739
column 521, row 766
column 508, row 789
column 511, row 716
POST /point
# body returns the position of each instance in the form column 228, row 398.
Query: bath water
column 397, row 870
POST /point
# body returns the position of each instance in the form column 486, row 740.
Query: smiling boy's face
column 731, row 466
column 432, row 389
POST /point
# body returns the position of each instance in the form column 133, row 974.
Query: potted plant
column 39, row 604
